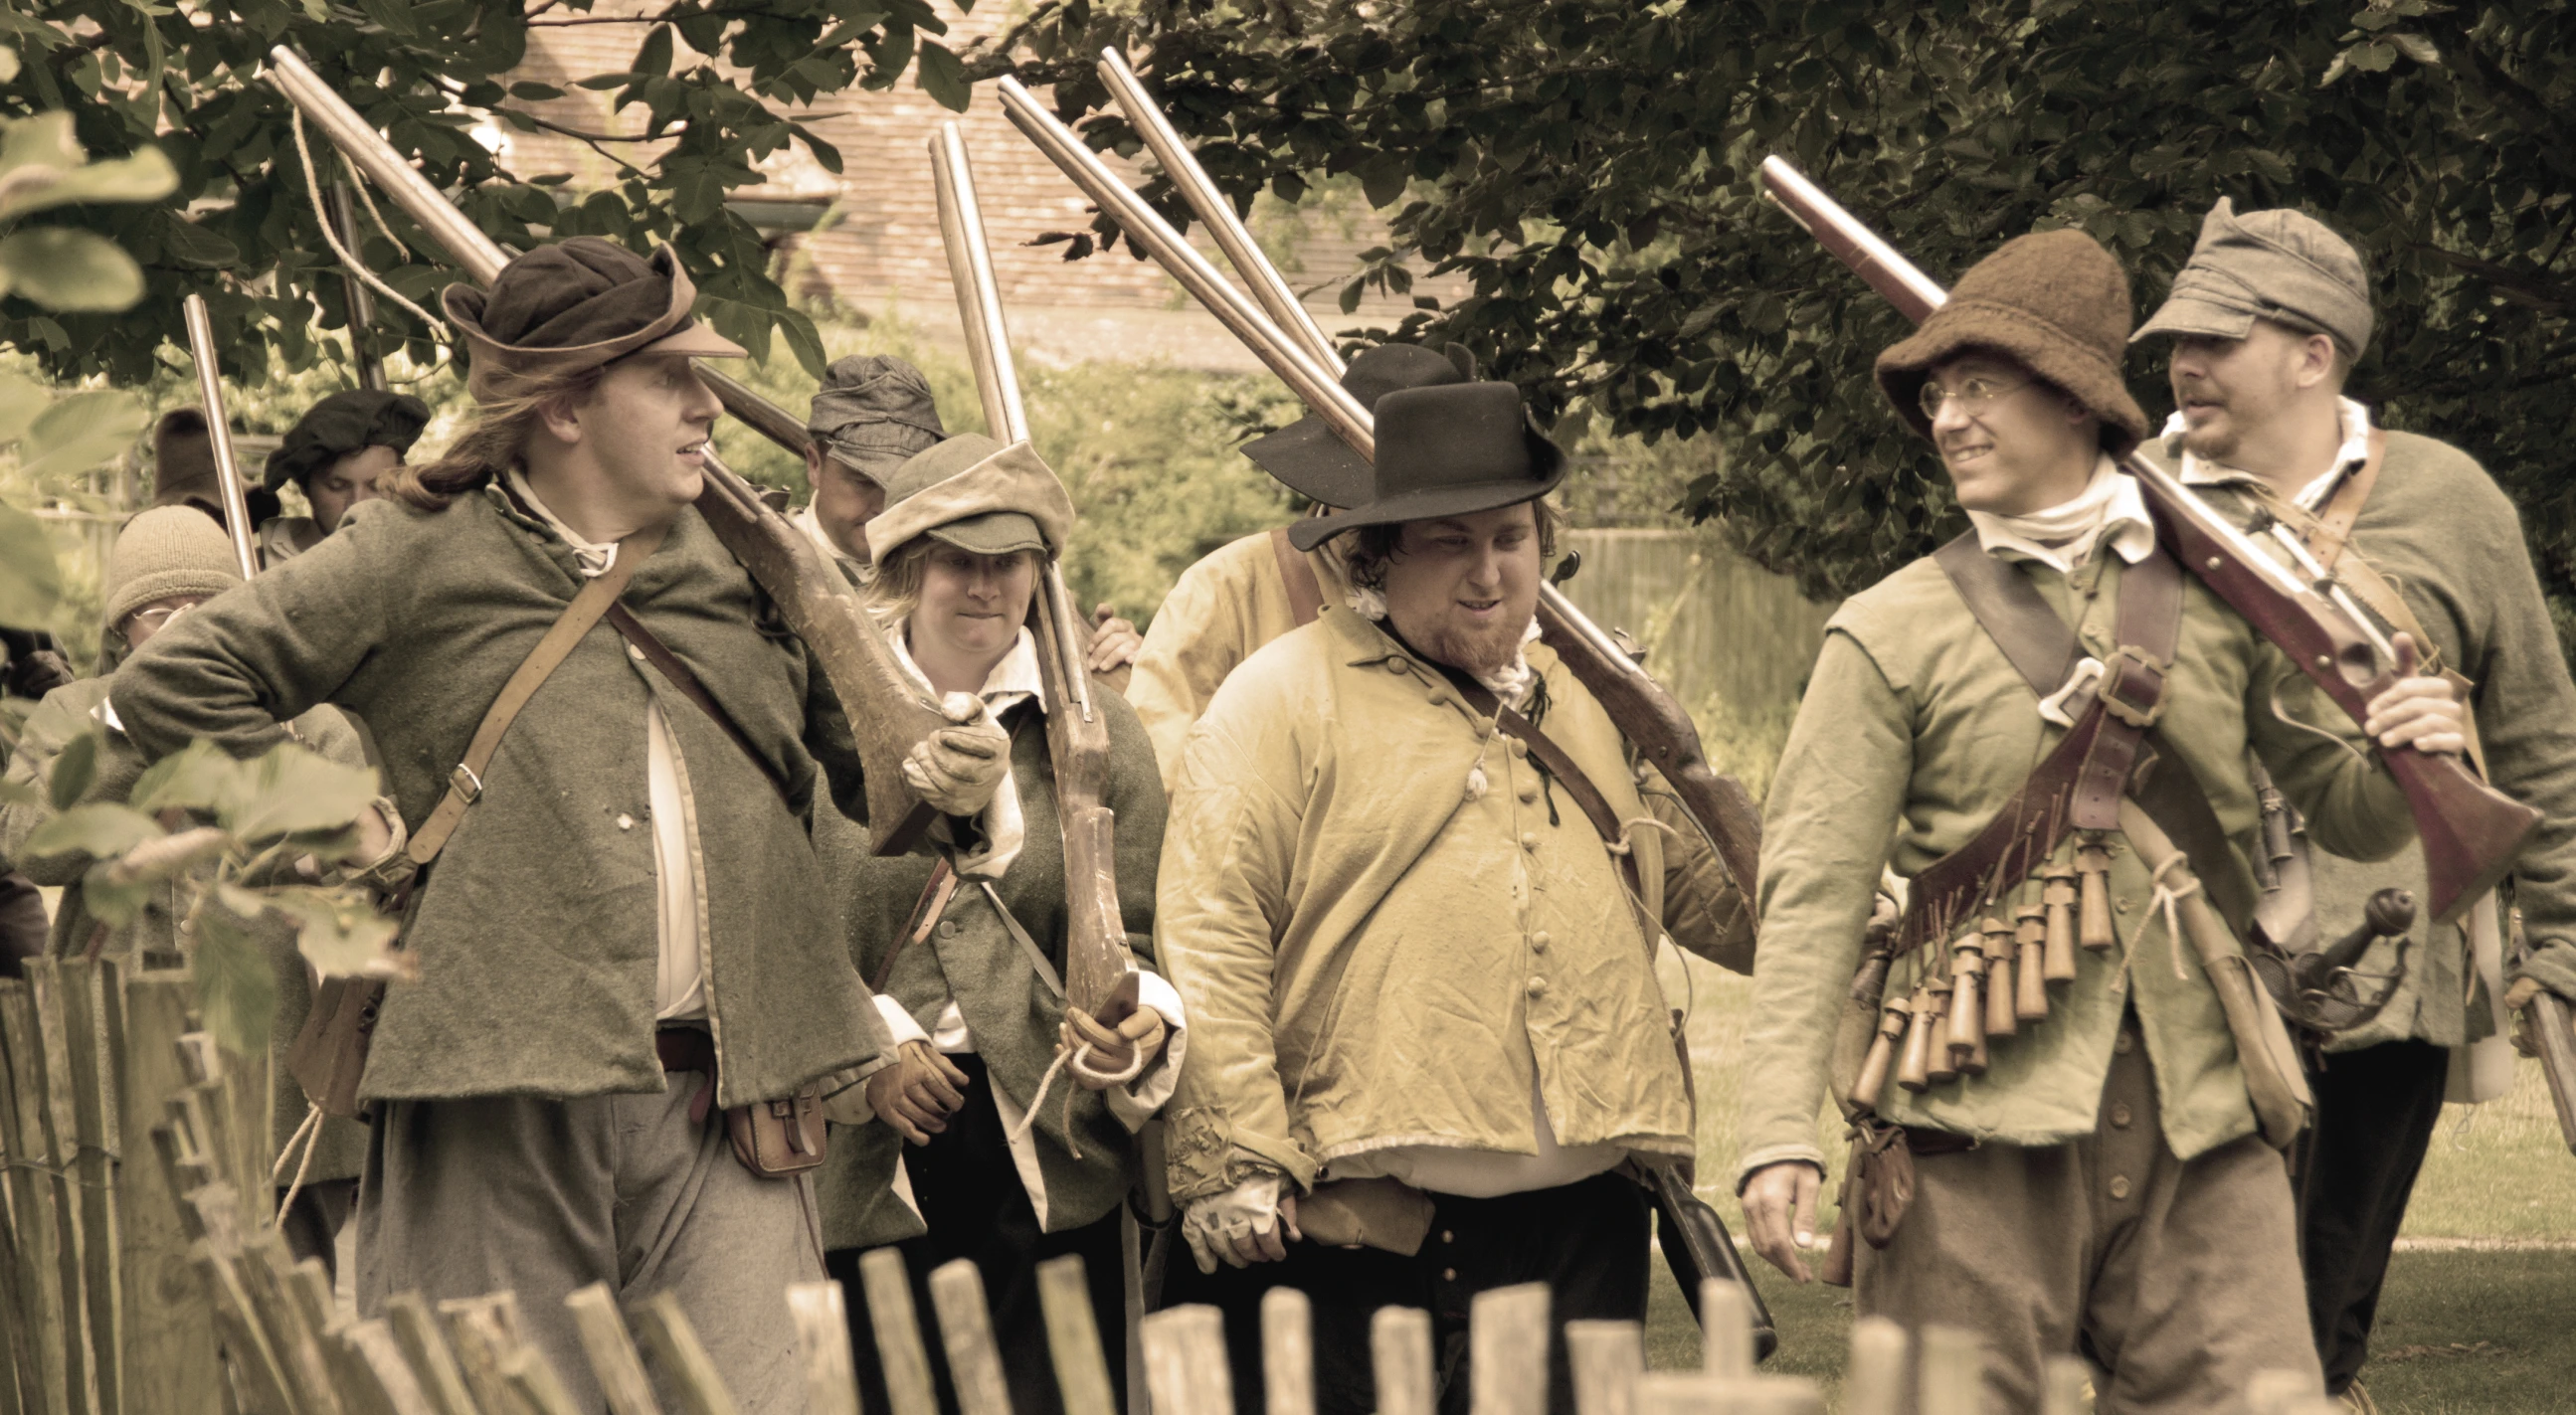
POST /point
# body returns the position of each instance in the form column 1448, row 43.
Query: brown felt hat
column 2055, row 302
column 1450, row 449
column 575, row 305
column 1310, row 459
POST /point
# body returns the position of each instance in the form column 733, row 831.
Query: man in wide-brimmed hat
column 2265, row 324
column 613, row 907
column 2097, row 1175
column 1412, row 896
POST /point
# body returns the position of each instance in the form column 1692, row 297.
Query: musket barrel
column 219, row 431
column 979, row 293
column 1215, row 212
column 463, row 241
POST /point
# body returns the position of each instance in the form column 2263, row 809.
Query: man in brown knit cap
column 2097, row 1175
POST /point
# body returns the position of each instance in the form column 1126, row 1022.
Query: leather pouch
column 1375, row 1213
column 1882, row 1182
column 329, row 1055
column 776, row 1139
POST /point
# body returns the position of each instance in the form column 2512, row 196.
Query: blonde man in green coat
column 998, row 1168
column 621, row 936
column 2097, row 1184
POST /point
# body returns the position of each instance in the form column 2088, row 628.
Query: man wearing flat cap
column 2265, row 324
column 340, row 453
column 2095, row 1172
column 1411, row 896
column 605, row 876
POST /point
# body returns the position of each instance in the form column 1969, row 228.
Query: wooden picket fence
column 141, row 1271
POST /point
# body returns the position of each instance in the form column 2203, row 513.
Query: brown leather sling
column 1305, row 594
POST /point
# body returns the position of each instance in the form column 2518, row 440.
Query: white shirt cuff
column 1137, row 1101
column 899, row 1022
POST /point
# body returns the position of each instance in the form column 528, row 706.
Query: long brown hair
column 493, row 444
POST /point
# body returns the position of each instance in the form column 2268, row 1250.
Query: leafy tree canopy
column 241, row 226
column 1588, row 166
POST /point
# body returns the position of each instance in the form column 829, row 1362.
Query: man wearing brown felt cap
column 2264, row 326
column 621, row 953
column 2093, row 1168
column 1412, row 894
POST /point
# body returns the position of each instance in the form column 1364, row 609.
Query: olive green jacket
column 1010, row 1007
column 1914, row 731
column 1380, row 916
column 66, row 713
column 536, row 930
column 2438, row 528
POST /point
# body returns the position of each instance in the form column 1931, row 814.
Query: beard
column 1481, row 651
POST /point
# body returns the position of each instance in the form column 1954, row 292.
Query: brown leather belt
column 685, row 1049
column 1924, row 1141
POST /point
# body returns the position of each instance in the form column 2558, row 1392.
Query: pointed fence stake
column 966, row 1334
column 1606, row 1358
column 1726, row 1330
column 1185, row 1363
column 1400, row 1353
column 614, row 1361
column 681, row 1357
column 900, row 1352
column 1287, row 1352
column 822, row 1321
column 1874, row 1381
column 1073, row 1337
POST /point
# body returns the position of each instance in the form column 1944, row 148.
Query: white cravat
column 2355, row 421
column 2064, row 536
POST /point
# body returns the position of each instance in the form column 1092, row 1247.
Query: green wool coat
column 152, row 940
column 536, row 929
column 2438, row 528
column 1007, row 1004
column 1914, row 732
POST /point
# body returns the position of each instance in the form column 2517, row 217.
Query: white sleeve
column 1138, row 1100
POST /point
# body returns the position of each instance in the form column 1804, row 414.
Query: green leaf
column 81, row 431
column 31, row 584
column 943, row 77
column 192, row 244
column 655, row 56
column 145, row 176
column 21, row 400
column 236, row 984
column 101, row 830
column 197, row 777
column 22, row 793
column 75, row 768
column 339, row 931
column 294, row 791
column 535, row 92
column 8, row 64
column 64, row 269
column 803, row 340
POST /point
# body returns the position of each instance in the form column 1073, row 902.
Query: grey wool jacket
column 2438, row 528
column 536, row 929
column 1011, row 1009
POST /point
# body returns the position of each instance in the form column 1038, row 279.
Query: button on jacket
column 536, row 929
column 1353, row 888
column 1916, row 729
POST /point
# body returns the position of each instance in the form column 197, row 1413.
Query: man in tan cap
column 2092, row 1175
column 2265, row 323
column 621, row 952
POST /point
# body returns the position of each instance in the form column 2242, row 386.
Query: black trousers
column 2376, row 1109
column 972, row 1199
column 1586, row 1240
column 24, row 928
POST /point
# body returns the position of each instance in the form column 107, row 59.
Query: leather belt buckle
column 2053, row 708
column 2133, row 686
column 465, row 783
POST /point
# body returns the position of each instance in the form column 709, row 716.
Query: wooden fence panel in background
column 1718, row 625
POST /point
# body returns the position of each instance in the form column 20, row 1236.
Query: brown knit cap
column 2054, row 302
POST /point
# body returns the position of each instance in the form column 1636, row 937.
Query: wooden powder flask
column 1914, row 1073
column 2093, row 870
column 1967, row 1000
column 2030, row 998
column 1937, row 1023
column 2057, row 894
column 2002, row 1020
column 1872, row 1083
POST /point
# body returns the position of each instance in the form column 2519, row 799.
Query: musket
column 2471, row 832
column 1099, row 969
column 342, row 213
column 887, row 714
column 2553, row 1038
column 219, row 431
column 1307, row 362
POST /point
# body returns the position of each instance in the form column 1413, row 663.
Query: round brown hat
column 574, row 305
column 2055, row 302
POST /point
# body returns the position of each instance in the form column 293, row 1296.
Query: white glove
column 957, row 768
column 1241, row 1226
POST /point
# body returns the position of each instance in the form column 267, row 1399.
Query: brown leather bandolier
column 1305, row 593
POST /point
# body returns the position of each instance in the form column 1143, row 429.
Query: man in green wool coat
column 621, row 936
column 2265, row 324
column 2098, row 1181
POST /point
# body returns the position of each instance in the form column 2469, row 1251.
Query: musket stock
column 1307, row 362
column 219, row 431
column 887, row 714
column 2471, row 832
column 1099, row 968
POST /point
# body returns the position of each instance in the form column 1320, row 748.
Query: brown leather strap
column 935, row 894
column 1588, row 799
column 1305, row 594
column 465, row 784
column 660, row 656
column 2333, row 528
column 2078, row 784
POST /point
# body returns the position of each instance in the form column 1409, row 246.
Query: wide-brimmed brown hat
column 1310, row 459
column 1447, row 450
column 2054, row 302
column 575, row 305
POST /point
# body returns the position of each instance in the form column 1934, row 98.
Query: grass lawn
column 2458, row 1331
